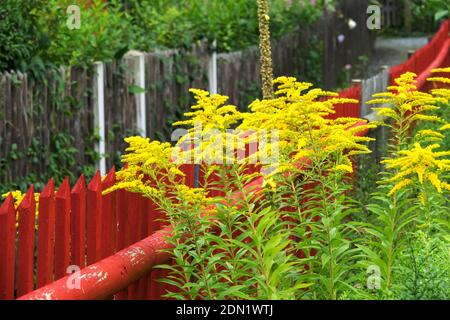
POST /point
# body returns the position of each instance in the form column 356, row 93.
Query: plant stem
column 265, row 49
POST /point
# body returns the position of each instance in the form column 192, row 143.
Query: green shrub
column 423, row 272
column 104, row 34
column 20, row 36
column 234, row 24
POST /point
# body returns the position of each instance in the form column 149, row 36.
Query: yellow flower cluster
column 404, row 103
column 441, row 92
column 147, row 154
column 191, row 196
column 423, row 163
column 415, row 163
column 210, row 112
column 295, row 123
column 299, row 115
column 207, row 129
column 147, row 162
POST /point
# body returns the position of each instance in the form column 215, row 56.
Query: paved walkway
column 393, row 51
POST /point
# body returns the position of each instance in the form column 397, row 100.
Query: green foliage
column 234, row 24
column 60, row 164
column 429, row 11
column 423, row 272
column 385, row 236
column 243, row 253
column 34, row 33
column 20, row 36
column 104, row 33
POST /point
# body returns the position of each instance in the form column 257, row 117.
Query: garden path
column 393, row 51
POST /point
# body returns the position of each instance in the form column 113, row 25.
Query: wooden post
column 99, row 113
column 212, row 70
column 407, row 11
column 136, row 62
column 140, row 97
column 356, row 81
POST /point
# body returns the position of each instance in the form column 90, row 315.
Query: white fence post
column 99, row 114
column 142, row 120
column 212, row 70
column 137, row 61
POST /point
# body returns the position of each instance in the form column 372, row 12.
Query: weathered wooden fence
column 392, row 13
column 342, row 44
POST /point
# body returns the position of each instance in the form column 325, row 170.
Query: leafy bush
column 104, row 34
column 234, row 24
column 20, row 36
column 35, row 32
column 425, row 11
column 423, row 272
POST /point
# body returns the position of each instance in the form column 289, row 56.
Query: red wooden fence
column 75, row 227
column 433, row 55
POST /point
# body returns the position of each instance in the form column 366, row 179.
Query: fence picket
column 151, row 228
column 25, row 244
column 46, row 235
column 122, row 222
column 78, row 222
column 144, row 206
column 7, row 248
column 109, row 215
column 62, row 232
column 94, row 219
column 133, row 210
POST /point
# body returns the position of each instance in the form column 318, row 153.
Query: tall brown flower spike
column 265, row 49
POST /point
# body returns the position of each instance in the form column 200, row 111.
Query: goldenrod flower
column 400, row 185
column 271, row 183
column 424, row 163
column 441, row 92
column 344, row 168
column 210, row 112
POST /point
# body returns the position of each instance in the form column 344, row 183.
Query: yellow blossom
column 344, row 168
column 400, row 185
column 424, row 163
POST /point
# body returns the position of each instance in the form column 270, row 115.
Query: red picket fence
column 78, row 227
column 433, row 55
column 349, row 109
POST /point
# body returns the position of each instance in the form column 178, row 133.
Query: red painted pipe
column 110, row 275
